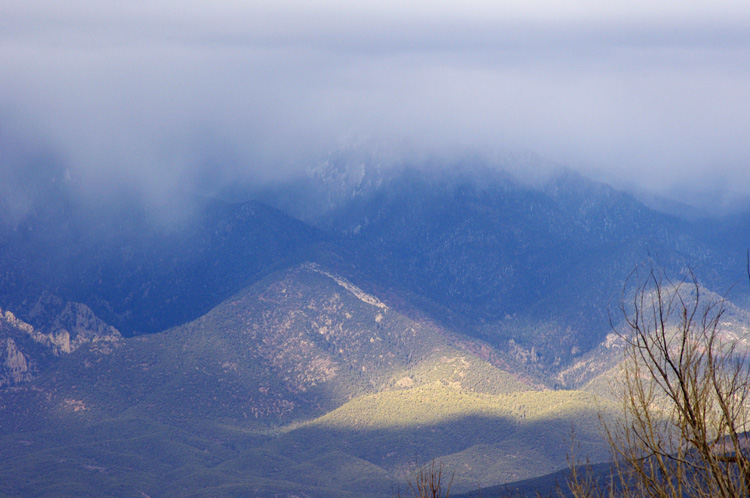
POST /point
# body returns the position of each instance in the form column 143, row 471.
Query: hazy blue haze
column 164, row 96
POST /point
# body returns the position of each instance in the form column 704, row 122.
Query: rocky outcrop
column 68, row 325
column 15, row 367
column 21, row 350
column 60, row 328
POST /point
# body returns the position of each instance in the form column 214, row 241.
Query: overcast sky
column 160, row 94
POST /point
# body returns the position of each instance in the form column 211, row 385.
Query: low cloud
column 163, row 97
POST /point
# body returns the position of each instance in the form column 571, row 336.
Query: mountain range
column 328, row 335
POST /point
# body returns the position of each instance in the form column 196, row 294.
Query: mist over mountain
column 283, row 249
column 161, row 99
column 314, row 335
column 510, row 259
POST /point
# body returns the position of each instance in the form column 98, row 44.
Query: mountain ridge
column 451, row 316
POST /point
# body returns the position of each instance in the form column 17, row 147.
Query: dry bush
column 428, row 481
column 684, row 389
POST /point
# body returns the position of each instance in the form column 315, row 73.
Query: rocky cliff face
column 22, row 349
column 68, row 325
column 15, row 365
column 61, row 328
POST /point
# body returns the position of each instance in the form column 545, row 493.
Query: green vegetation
column 485, row 438
column 438, row 403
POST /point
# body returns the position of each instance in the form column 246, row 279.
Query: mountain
column 296, row 344
column 302, row 372
column 531, row 269
column 144, row 277
column 403, row 314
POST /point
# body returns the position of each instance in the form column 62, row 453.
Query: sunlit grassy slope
column 486, row 439
column 438, row 403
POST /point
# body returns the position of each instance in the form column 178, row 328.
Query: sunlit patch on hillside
column 439, row 403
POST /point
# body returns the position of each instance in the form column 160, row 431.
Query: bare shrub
column 428, row 481
column 683, row 393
